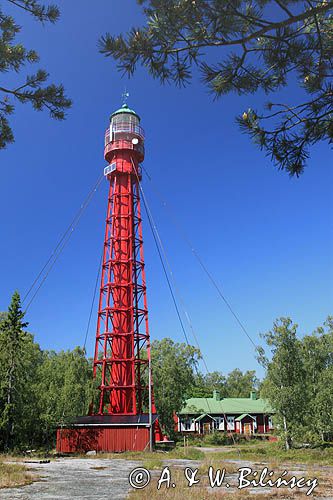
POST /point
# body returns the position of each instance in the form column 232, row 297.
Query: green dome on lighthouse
column 124, row 109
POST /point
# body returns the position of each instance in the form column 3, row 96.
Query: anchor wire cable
column 93, row 301
column 61, row 240
column 154, row 228
column 176, row 287
column 60, row 246
column 156, row 239
column 199, row 259
column 159, row 244
column 190, row 323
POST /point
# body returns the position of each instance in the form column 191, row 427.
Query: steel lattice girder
column 122, row 348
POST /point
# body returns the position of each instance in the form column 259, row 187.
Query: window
column 187, row 424
column 255, row 423
column 219, row 423
column 270, row 423
column 230, row 423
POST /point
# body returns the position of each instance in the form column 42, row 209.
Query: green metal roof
column 225, row 405
column 124, row 109
column 240, row 418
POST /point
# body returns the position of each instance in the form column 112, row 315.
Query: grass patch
column 12, row 475
column 263, row 451
column 153, row 464
column 272, row 452
column 187, row 454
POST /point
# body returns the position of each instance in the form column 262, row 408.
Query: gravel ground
column 63, row 479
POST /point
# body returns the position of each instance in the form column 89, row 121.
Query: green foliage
column 14, row 57
column 38, row 389
column 17, row 356
column 206, row 384
column 284, row 378
column 3, row 316
column 296, row 383
column 64, row 388
column 323, row 404
column 258, row 45
column 217, row 439
column 173, row 371
column 317, row 353
column 239, row 384
column 236, row 385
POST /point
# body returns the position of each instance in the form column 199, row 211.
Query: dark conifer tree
column 12, row 342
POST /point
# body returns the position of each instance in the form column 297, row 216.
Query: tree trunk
column 287, row 437
column 10, row 422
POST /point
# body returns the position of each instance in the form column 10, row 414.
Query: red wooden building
column 240, row 415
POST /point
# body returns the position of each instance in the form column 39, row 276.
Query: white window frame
column 219, row 425
column 187, row 424
column 230, row 423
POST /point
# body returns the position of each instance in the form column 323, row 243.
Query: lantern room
column 124, row 133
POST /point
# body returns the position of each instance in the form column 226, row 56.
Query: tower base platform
column 107, row 433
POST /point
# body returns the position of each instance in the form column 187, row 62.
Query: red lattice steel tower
column 123, row 415
column 122, row 349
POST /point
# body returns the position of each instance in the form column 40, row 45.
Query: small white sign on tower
column 110, row 168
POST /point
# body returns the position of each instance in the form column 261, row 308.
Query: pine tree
column 13, row 58
column 12, row 343
column 244, row 46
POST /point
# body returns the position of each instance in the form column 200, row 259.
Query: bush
column 217, row 438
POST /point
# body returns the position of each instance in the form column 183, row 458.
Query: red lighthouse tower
column 122, row 415
column 122, row 339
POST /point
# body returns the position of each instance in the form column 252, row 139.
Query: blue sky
column 266, row 238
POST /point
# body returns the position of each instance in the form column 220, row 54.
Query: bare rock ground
column 75, row 478
column 108, row 479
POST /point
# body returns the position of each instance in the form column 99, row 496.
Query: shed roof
column 203, row 416
column 240, row 418
column 225, row 405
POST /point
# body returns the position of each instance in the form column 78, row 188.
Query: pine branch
column 50, row 13
column 283, row 7
column 300, row 126
column 271, row 27
column 13, row 57
column 266, row 53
